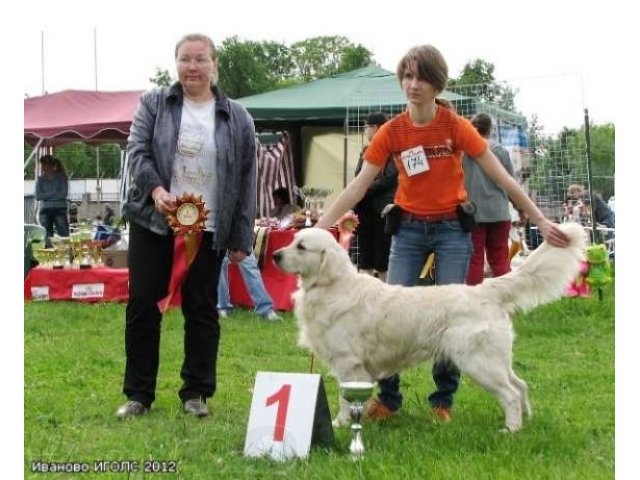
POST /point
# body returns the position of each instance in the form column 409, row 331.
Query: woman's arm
column 142, row 164
column 492, row 167
column 351, row 195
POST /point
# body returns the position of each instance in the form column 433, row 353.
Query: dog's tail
column 542, row 277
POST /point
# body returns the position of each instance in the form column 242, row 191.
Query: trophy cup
column 356, row 393
column 85, row 261
column 58, row 259
column 59, row 249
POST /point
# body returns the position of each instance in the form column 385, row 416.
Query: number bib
column 415, row 161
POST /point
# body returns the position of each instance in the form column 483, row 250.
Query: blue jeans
column 250, row 272
column 410, row 248
column 54, row 216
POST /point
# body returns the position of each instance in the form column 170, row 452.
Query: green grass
column 74, row 360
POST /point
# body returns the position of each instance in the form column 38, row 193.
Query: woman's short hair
column 431, row 66
column 197, row 37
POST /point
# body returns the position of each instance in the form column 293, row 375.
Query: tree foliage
column 320, row 57
column 81, row 160
column 162, row 78
column 477, row 78
column 248, row 67
column 556, row 159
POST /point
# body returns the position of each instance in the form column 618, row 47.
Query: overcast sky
column 546, row 50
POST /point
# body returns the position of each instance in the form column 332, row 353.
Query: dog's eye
column 301, row 247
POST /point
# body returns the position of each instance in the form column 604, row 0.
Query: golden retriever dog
column 364, row 329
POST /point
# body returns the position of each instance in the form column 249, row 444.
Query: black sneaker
column 131, row 409
column 196, row 407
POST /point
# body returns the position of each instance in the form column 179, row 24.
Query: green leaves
column 248, row 67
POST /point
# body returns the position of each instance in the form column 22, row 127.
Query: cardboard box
column 115, row 258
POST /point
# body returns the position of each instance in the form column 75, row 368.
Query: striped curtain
column 275, row 170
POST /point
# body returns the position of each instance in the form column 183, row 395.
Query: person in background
column 373, row 242
column 73, row 213
column 282, row 206
column 427, row 141
column 611, row 203
column 109, row 214
column 602, row 212
column 491, row 235
column 262, row 302
column 52, row 188
column 186, row 138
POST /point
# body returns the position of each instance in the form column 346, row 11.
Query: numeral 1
column 282, row 398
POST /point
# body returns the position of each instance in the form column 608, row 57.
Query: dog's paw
column 511, row 429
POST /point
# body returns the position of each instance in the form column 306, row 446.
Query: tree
column 81, row 160
column 321, row 57
column 162, row 78
column 247, row 67
column 556, row 161
column 353, row 57
column 478, row 81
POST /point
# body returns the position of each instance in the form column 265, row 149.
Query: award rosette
column 187, row 223
column 347, row 224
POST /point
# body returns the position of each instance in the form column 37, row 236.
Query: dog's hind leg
column 495, row 379
column 484, row 353
column 523, row 388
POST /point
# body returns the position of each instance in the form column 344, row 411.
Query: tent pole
column 344, row 165
column 33, row 153
column 592, row 195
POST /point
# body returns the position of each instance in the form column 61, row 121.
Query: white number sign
column 288, row 412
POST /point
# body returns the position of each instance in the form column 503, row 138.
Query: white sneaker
column 272, row 317
column 223, row 314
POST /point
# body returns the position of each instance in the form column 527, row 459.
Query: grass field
column 74, row 360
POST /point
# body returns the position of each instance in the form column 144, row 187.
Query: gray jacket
column 151, row 150
column 490, row 199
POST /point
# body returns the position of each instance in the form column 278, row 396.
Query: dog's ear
column 334, row 263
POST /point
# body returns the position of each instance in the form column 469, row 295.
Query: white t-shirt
column 194, row 167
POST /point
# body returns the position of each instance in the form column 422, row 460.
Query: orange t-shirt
column 440, row 188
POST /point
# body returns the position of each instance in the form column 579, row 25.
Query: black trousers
column 373, row 243
column 150, row 263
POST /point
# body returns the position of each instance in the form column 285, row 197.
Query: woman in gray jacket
column 187, row 138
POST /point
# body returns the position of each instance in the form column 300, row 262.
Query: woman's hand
column 237, row 256
column 164, row 202
column 552, row 233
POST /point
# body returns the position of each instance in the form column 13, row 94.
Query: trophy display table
column 102, row 284
column 97, row 284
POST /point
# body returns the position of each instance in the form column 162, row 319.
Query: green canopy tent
column 336, row 106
